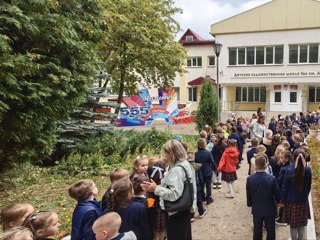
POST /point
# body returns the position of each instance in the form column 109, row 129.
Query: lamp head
column 217, row 48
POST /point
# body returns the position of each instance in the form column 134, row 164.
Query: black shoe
column 209, row 201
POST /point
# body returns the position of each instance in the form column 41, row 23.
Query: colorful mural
column 141, row 110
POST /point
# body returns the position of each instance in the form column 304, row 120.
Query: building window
column 192, row 94
column 256, row 55
column 189, row 38
column 250, row 94
column 250, row 56
column 177, row 91
column 304, row 53
column 232, row 56
column 293, row 93
column 277, row 97
column 194, row 62
column 277, row 93
column 313, row 53
column 314, row 94
column 211, row 61
column 260, row 55
column 241, row 56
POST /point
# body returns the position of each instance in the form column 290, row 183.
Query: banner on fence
column 143, row 109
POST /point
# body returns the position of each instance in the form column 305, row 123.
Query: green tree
column 47, row 53
column 140, row 49
column 207, row 107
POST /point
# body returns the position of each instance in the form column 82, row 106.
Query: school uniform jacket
column 204, row 157
column 262, row 191
column 289, row 192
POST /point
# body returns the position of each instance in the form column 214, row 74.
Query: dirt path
column 229, row 219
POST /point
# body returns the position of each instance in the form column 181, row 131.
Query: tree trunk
column 121, row 87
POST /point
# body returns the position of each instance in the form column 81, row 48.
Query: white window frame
column 308, row 53
column 191, row 98
column 209, row 61
column 189, row 38
column 255, row 55
column 197, row 62
column 293, row 91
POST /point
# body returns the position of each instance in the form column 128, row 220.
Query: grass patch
column 45, row 190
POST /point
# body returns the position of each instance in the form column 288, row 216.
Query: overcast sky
column 198, row 15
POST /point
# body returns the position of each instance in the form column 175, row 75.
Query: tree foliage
column 207, row 107
column 140, row 47
column 47, row 48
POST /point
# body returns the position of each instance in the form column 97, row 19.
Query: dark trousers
column 179, row 226
column 199, row 200
column 207, row 183
column 270, row 227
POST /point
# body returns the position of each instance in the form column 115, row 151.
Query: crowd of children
column 277, row 187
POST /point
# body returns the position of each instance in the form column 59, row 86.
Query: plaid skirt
column 229, row 176
column 161, row 221
column 296, row 215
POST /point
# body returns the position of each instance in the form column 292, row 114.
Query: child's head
column 82, row 190
column 213, row 138
column 202, row 143
column 261, row 149
column 17, row 233
column 120, row 194
column 234, row 129
column 208, row 129
column 285, row 156
column 203, row 134
column 286, row 144
column 136, row 182
column 297, row 138
column 232, row 143
column 185, row 145
column 153, row 161
column 106, row 226
column 118, row 173
column 278, row 151
column 42, row 224
column 260, row 162
column 254, row 142
column 190, row 156
column 15, row 214
column 140, row 165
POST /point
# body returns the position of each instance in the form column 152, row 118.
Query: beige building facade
column 270, row 58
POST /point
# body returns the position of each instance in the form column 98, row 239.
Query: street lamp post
column 217, row 50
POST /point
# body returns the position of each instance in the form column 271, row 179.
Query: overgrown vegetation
column 314, row 146
column 46, row 187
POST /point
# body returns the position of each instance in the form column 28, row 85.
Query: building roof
column 196, row 39
column 199, row 81
column 276, row 15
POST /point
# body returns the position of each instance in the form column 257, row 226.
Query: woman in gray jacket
column 171, row 188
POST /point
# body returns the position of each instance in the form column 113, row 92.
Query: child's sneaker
column 192, row 217
column 219, row 185
column 214, row 185
column 203, row 214
column 229, row 195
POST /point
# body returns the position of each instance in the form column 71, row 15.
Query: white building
column 270, row 58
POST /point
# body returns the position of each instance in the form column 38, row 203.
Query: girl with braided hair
column 42, row 224
column 294, row 195
column 133, row 214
